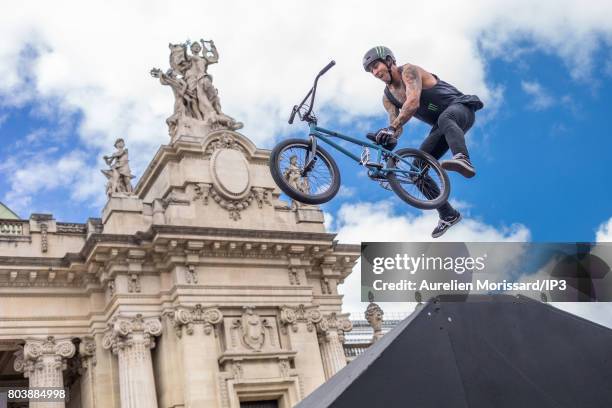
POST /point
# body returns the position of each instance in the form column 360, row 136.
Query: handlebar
column 310, row 94
column 327, row 67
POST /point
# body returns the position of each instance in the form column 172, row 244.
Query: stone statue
column 119, row 175
column 196, row 99
column 374, row 315
column 293, row 175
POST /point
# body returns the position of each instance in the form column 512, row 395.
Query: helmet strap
column 389, row 64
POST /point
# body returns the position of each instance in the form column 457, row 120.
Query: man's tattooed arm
column 392, row 111
column 412, row 80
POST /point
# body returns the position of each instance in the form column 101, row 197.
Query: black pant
column 448, row 132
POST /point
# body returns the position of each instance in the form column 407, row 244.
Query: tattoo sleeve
column 392, row 111
column 412, row 80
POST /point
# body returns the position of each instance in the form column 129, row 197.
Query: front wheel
column 316, row 185
column 418, row 179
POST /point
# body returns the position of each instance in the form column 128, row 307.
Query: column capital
column 334, row 323
column 87, row 351
column 123, row 331
column 290, row 316
column 36, row 353
column 187, row 317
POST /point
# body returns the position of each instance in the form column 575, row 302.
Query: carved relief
column 252, row 332
column 325, row 288
column 223, row 141
column 111, row 287
column 251, row 329
column 260, row 195
column 191, row 276
column 284, row 367
column 294, row 277
column 237, row 370
column 134, row 283
column 44, row 239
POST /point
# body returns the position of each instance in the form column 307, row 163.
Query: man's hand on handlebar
column 386, row 137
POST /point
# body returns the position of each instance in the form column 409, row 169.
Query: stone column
column 87, row 353
column 198, row 346
column 331, row 331
column 299, row 323
column 131, row 339
column 43, row 363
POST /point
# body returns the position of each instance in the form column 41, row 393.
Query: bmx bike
column 308, row 173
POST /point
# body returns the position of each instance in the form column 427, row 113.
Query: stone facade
column 202, row 289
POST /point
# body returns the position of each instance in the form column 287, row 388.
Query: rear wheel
column 316, row 185
column 418, row 179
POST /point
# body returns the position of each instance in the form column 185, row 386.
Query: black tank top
column 436, row 99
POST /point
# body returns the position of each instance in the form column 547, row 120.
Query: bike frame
column 377, row 169
column 326, row 135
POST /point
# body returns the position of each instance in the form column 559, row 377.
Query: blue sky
column 542, row 160
column 72, row 84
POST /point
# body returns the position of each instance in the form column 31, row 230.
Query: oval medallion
column 231, row 173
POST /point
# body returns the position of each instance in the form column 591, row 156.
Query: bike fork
column 311, row 157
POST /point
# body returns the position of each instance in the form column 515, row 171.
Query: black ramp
column 491, row 351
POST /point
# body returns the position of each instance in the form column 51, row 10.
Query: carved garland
column 234, row 207
column 223, row 141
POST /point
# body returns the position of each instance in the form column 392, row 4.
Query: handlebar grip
column 327, row 67
column 293, row 112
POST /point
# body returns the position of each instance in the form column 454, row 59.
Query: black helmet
column 376, row 53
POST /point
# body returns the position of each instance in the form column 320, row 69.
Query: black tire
column 279, row 163
column 429, row 191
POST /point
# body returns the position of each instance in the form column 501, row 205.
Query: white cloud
column 94, row 57
column 604, row 232
column 379, row 221
column 346, row 192
column 541, row 98
column 31, row 173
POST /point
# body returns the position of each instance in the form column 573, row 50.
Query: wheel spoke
column 319, row 178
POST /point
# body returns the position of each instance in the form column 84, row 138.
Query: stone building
column 201, row 288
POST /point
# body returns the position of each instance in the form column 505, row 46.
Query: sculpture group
column 195, row 97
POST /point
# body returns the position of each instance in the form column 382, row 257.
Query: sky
column 75, row 77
